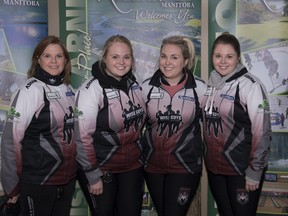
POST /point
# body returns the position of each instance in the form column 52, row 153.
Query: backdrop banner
column 86, row 25
column 262, row 29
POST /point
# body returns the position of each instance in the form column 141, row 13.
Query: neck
column 174, row 81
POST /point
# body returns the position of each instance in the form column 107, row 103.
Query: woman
column 38, row 149
column 237, row 131
column 110, row 116
column 172, row 141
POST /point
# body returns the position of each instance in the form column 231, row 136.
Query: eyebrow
column 171, row 54
column 226, row 54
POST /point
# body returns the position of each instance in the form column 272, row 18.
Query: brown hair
column 38, row 51
column 229, row 39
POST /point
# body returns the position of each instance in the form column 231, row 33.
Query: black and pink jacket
column 172, row 141
column 109, row 119
column 37, row 144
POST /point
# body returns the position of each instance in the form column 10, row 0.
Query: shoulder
column 146, row 88
column 146, row 81
column 201, row 86
column 251, row 80
column 89, row 89
column 88, row 83
column 249, row 77
column 136, row 86
column 250, row 84
column 32, row 85
column 198, row 79
column 70, row 88
column 146, row 84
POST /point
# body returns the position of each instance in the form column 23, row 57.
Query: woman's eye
column 46, row 56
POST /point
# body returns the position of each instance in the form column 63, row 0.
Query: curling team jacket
column 237, row 126
column 110, row 116
column 172, row 139
column 37, row 143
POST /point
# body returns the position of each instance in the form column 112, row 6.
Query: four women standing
column 38, row 150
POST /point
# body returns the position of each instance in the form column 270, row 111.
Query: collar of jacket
column 157, row 78
column 47, row 78
column 106, row 81
column 238, row 74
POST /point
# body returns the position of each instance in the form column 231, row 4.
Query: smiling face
column 52, row 60
column 225, row 59
column 118, row 60
column 171, row 63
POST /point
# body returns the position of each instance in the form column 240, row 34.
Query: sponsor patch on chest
column 53, row 95
column 112, row 94
column 156, row 95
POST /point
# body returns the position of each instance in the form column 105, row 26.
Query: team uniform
column 172, row 141
column 110, row 117
column 237, row 132
column 38, row 149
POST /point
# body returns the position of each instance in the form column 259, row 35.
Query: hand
column 13, row 200
column 97, row 188
column 251, row 185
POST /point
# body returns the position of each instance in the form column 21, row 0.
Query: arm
column 19, row 115
column 259, row 113
column 86, row 111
